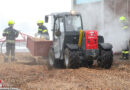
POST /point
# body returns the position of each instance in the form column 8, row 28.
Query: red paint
column 91, row 38
column 1, row 86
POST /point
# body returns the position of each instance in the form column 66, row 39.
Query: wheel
column 90, row 63
column 106, row 59
column 51, row 59
column 67, row 59
column 99, row 62
column 87, row 63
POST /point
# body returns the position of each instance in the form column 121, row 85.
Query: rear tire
column 51, row 59
column 90, row 63
column 106, row 59
column 87, row 63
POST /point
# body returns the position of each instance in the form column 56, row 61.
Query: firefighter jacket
column 10, row 34
column 42, row 30
column 124, row 25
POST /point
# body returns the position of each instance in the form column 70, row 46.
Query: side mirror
column 46, row 19
column 58, row 32
column 100, row 39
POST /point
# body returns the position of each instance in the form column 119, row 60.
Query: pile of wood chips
column 39, row 39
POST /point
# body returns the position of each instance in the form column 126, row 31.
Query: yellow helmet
column 40, row 21
column 11, row 22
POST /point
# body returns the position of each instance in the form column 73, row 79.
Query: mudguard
column 105, row 46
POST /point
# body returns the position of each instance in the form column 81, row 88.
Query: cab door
column 58, row 37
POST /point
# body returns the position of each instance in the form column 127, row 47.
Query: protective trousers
column 125, row 54
column 10, row 49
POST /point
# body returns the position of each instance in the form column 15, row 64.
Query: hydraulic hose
column 3, row 42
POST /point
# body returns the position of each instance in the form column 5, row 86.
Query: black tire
column 51, row 59
column 90, row 63
column 99, row 62
column 86, row 63
column 106, row 59
column 67, row 58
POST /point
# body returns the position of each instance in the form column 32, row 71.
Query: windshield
column 73, row 23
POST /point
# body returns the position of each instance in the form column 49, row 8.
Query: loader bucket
column 38, row 47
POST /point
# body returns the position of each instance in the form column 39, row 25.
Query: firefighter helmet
column 11, row 22
column 40, row 22
column 122, row 18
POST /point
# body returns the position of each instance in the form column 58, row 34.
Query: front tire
column 51, row 59
column 86, row 63
column 106, row 59
column 90, row 63
column 67, row 59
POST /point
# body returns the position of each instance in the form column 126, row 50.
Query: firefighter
column 42, row 30
column 124, row 24
column 10, row 33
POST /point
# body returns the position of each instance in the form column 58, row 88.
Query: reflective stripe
column 39, row 29
column 10, row 41
column 125, row 52
column 44, row 31
column 125, row 27
column 6, row 32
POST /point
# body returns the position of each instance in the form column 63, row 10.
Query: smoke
column 115, row 35
column 113, row 32
column 91, row 15
column 94, row 15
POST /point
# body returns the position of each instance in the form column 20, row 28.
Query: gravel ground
column 30, row 74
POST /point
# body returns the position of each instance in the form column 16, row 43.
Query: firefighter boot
column 12, row 58
column 6, row 59
column 127, row 56
column 123, row 56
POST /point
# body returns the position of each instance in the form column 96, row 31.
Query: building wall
column 91, row 14
column 116, row 9
column 96, row 13
column 85, row 1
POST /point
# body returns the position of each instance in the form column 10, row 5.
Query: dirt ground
column 28, row 74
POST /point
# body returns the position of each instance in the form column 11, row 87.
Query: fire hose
column 4, row 41
column 2, row 47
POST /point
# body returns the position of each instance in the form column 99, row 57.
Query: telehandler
column 74, row 46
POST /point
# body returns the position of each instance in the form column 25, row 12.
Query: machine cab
column 66, row 28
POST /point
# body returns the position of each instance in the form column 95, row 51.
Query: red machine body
column 91, row 38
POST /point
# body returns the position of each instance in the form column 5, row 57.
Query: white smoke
column 116, row 36
column 113, row 32
column 92, row 14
